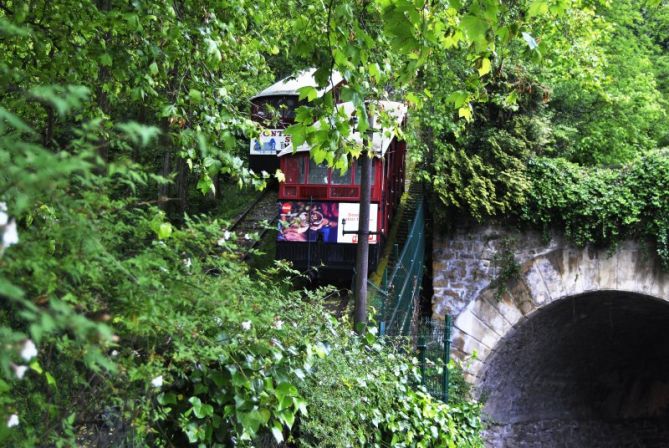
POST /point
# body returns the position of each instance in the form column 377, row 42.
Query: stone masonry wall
column 549, row 352
column 464, row 262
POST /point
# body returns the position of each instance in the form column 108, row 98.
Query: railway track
column 252, row 225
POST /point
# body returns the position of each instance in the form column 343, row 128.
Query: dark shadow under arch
column 586, row 371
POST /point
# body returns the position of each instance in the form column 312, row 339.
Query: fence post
column 447, row 356
column 421, row 355
column 384, row 298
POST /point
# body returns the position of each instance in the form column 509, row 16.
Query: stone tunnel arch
column 554, row 286
column 585, row 371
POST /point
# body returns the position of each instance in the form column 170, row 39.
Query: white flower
column 20, row 371
column 278, row 324
column 247, row 236
column 157, row 381
column 10, row 235
column 188, row 263
column 4, row 217
column 218, row 321
column 13, row 421
column 29, row 351
column 226, row 236
column 114, row 353
column 246, row 326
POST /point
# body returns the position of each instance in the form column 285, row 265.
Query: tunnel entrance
column 587, row 371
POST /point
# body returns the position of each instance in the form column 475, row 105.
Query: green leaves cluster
column 585, row 85
column 125, row 63
column 603, row 206
column 364, row 393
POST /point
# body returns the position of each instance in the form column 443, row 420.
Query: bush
column 128, row 331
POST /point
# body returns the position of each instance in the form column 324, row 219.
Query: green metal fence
column 397, row 300
column 397, row 296
column 434, row 347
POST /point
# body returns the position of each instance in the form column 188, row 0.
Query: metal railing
column 397, row 301
column 396, row 296
column 434, row 348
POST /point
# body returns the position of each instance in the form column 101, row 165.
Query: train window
column 318, row 174
column 342, row 179
column 288, row 109
column 275, row 109
column 294, row 170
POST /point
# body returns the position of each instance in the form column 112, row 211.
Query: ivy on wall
column 602, row 206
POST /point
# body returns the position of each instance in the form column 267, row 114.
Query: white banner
column 269, row 142
column 350, row 213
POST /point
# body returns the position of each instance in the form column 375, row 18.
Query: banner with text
column 349, row 220
column 270, row 142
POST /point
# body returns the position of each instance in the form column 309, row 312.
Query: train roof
column 291, row 84
column 380, row 140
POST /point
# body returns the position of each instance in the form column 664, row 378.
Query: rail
column 252, row 220
column 243, row 215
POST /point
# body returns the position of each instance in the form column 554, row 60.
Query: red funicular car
column 318, row 203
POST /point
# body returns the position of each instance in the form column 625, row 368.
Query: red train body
column 318, row 203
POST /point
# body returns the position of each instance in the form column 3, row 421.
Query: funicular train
column 317, row 203
column 274, row 109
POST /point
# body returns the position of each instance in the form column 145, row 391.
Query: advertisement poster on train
column 308, row 221
column 349, row 216
column 270, row 142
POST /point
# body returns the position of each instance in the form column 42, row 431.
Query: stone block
column 490, row 316
column 607, row 270
column 470, row 325
column 535, row 283
column 626, row 269
column 507, row 308
column 636, row 270
column 526, row 308
column 548, row 267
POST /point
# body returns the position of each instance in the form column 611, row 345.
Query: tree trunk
column 362, row 254
column 164, row 188
column 104, row 75
column 182, row 186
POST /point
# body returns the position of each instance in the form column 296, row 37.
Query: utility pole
column 362, row 253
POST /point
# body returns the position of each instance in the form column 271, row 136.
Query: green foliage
column 603, row 206
column 129, row 58
column 174, row 338
column 364, row 394
column 624, row 112
column 506, row 266
column 596, row 96
column 481, row 167
column 113, row 116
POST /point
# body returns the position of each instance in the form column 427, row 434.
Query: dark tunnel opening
column 588, row 371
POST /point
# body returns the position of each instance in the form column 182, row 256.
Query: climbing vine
column 602, row 206
column 506, row 266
